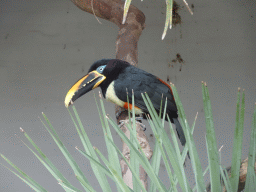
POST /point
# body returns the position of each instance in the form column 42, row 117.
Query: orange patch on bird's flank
column 166, row 85
column 130, row 106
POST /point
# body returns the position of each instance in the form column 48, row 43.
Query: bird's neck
column 104, row 85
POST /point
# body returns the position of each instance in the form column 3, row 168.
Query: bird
column 117, row 77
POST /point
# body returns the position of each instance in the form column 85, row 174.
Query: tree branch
column 242, row 176
column 126, row 49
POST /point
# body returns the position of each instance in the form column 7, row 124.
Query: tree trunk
column 126, row 49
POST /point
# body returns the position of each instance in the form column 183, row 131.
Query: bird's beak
column 84, row 85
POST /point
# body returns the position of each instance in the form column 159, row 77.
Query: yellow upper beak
column 84, row 85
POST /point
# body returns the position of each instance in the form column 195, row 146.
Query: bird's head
column 101, row 73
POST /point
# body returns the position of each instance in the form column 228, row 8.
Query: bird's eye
column 101, row 68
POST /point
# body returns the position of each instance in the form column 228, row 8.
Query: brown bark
column 126, row 49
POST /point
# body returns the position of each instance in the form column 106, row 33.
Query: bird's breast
column 112, row 97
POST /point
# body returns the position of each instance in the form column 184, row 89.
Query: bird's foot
column 137, row 120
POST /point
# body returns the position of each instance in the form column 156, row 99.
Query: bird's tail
column 179, row 131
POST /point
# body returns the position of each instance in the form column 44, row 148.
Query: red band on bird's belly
column 130, row 106
column 167, row 86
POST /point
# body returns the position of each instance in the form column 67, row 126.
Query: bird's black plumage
column 123, row 77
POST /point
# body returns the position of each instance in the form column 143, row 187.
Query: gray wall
column 45, row 46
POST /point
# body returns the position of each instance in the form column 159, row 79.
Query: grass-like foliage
column 166, row 149
column 168, row 17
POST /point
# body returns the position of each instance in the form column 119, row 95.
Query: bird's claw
column 137, row 120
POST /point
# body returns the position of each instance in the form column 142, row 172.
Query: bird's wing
column 140, row 82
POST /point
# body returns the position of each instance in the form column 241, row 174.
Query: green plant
column 165, row 148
